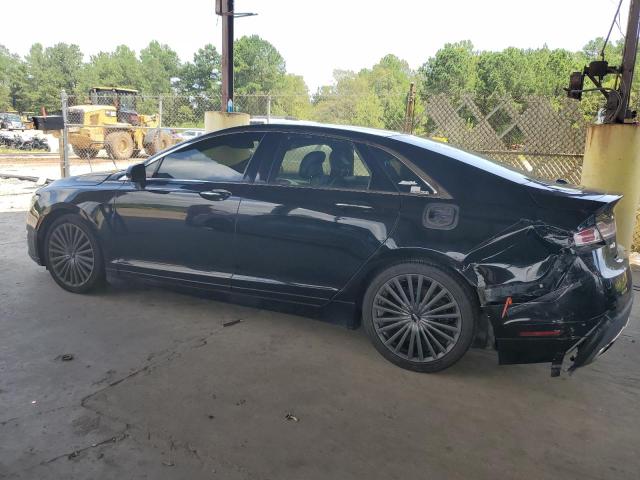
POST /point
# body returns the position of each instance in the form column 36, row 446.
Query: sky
column 314, row 37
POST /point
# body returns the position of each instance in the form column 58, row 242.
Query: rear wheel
column 119, row 145
column 73, row 256
column 419, row 317
column 159, row 142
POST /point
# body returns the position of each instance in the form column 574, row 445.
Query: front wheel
column 419, row 317
column 119, row 145
column 73, row 256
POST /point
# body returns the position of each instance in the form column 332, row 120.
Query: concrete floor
column 159, row 388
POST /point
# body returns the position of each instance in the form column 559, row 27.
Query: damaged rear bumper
column 603, row 335
column 560, row 327
column 560, row 302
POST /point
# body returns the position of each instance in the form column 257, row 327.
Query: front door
column 321, row 214
column 180, row 226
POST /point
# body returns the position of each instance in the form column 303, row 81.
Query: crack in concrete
column 39, row 412
column 169, row 355
column 111, row 440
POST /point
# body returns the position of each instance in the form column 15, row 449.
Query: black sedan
column 430, row 248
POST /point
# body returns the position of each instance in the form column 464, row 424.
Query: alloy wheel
column 416, row 318
column 71, row 255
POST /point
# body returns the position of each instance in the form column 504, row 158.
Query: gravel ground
column 15, row 194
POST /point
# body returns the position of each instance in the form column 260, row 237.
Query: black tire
column 88, row 274
column 119, row 145
column 159, row 142
column 420, row 327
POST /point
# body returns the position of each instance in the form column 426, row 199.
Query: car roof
column 365, row 133
column 313, row 127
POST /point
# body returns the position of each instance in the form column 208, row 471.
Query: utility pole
column 628, row 60
column 226, row 117
column 65, row 168
column 226, row 11
column 410, row 109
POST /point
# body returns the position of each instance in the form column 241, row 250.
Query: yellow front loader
column 112, row 122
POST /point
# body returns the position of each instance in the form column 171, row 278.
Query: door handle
column 347, row 206
column 216, row 195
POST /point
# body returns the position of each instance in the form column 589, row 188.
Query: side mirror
column 137, row 174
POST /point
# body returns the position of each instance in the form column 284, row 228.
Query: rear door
column 318, row 213
column 181, row 225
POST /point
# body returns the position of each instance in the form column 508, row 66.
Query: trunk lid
column 569, row 207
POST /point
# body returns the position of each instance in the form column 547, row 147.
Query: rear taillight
column 604, row 230
column 587, row 236
column 606, row 226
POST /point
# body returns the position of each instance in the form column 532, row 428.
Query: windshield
column 13, row 117
column 122, row 101
column 127, row 102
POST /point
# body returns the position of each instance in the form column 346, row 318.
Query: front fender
column 94, row 206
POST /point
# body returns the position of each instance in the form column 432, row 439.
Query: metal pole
column 268, row 108
column 408, row 114
column 160, row 111
column 61, row 152
column 227, row 55
column 629, row 59
column 65, row 170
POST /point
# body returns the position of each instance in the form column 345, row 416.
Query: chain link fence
column 541, row 136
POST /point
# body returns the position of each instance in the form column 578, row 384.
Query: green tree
column 259, row 67
column 120, row 68
column 202, row 76
column 389, row 79
column 159, row 64
column 452, row 69
column 12, row 81
column 522, row 72
column 291, row 98
column 49, row 71
column 350, row 101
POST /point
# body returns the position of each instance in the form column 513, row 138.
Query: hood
column 95, row 178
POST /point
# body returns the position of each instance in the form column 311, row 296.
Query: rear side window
column 224, row 158
column 403, row 178
column 322, row 162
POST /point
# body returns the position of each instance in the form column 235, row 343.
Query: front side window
column 222, row 159
column 315, row 161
